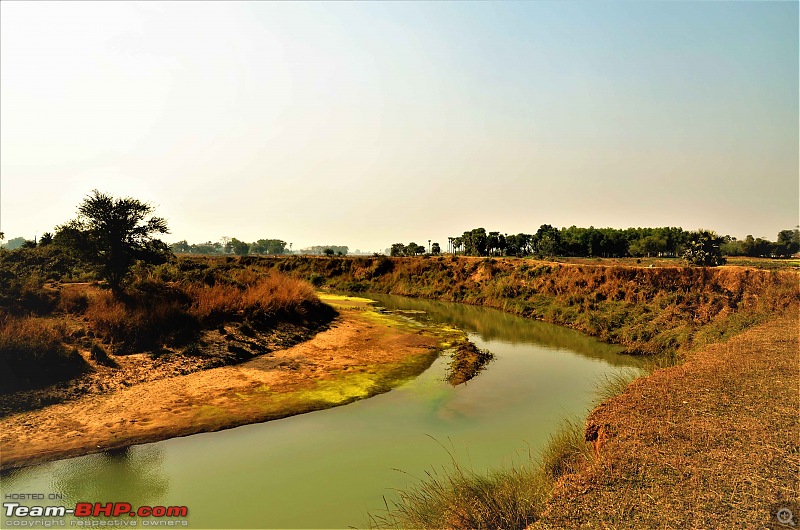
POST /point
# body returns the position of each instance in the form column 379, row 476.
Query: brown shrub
column 33, row 355
column 142, row 320
column 260, row 295
column 72, row 300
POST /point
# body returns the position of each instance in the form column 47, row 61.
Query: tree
column 547, row 241
column 703, row 249
column 458, row 244
column 329, row 252
column 114, row 234
column 436, row 249
column 268, row 246
column 240, row 248
column 206, row 248
column 788, row 242
column 179, row 247
column 492, row 242
column 398, row 249
column 46, row 239
column 412, row 249
column 15, row 243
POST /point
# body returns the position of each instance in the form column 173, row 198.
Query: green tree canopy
column 703, row 249
column 788, row 242
column 398, row 249
column 114, row 234
column 240, row 248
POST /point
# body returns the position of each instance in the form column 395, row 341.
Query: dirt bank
column 712, row 443
column 647, row 310
column 362, row 353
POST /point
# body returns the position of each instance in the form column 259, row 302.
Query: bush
column 144, row 318
column 32, row 354
column 262, row 297
column 704, row 249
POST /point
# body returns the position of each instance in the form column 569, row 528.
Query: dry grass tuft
column 457, row 497
column 155, row 312
column 141, row 321
column 32, row 354
column 261, row 296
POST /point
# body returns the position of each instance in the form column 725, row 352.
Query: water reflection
column 133, row 474
column 491, row 324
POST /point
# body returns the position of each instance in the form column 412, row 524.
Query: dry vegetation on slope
column 712, row 443
column 60, row 341
column 647, row 310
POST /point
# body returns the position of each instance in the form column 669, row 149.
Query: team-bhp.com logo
column 88, row 509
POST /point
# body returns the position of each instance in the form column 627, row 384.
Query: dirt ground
column 362, row 353
column 713, row 443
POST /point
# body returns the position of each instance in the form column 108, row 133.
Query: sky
column 366, row 124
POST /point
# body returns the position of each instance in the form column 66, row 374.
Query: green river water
column 329, row 469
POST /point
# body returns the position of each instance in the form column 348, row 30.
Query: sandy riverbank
column 363, row 353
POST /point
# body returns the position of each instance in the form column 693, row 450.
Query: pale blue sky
column 366, row 124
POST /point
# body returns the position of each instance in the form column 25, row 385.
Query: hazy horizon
column 366, row 124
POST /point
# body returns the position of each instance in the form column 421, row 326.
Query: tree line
column 263, row 247
column 413, row 249
column 574, row 241
column 231, row 245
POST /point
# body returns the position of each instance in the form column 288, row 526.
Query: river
column 328, row 469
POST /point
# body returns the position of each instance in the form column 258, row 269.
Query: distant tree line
column 413, row 249
column 326, row 250
column 788, row 243
column 609, row 242
column 229, row 245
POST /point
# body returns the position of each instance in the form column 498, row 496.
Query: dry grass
column 73, row 299
column 156, row 312
column 457, row 497
column 32, row 353
column 648, row 310
column 616, row 383
column 162, row 310
column 141, row 321
column 712, row 443
column 466, row 362
column 261, row 295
